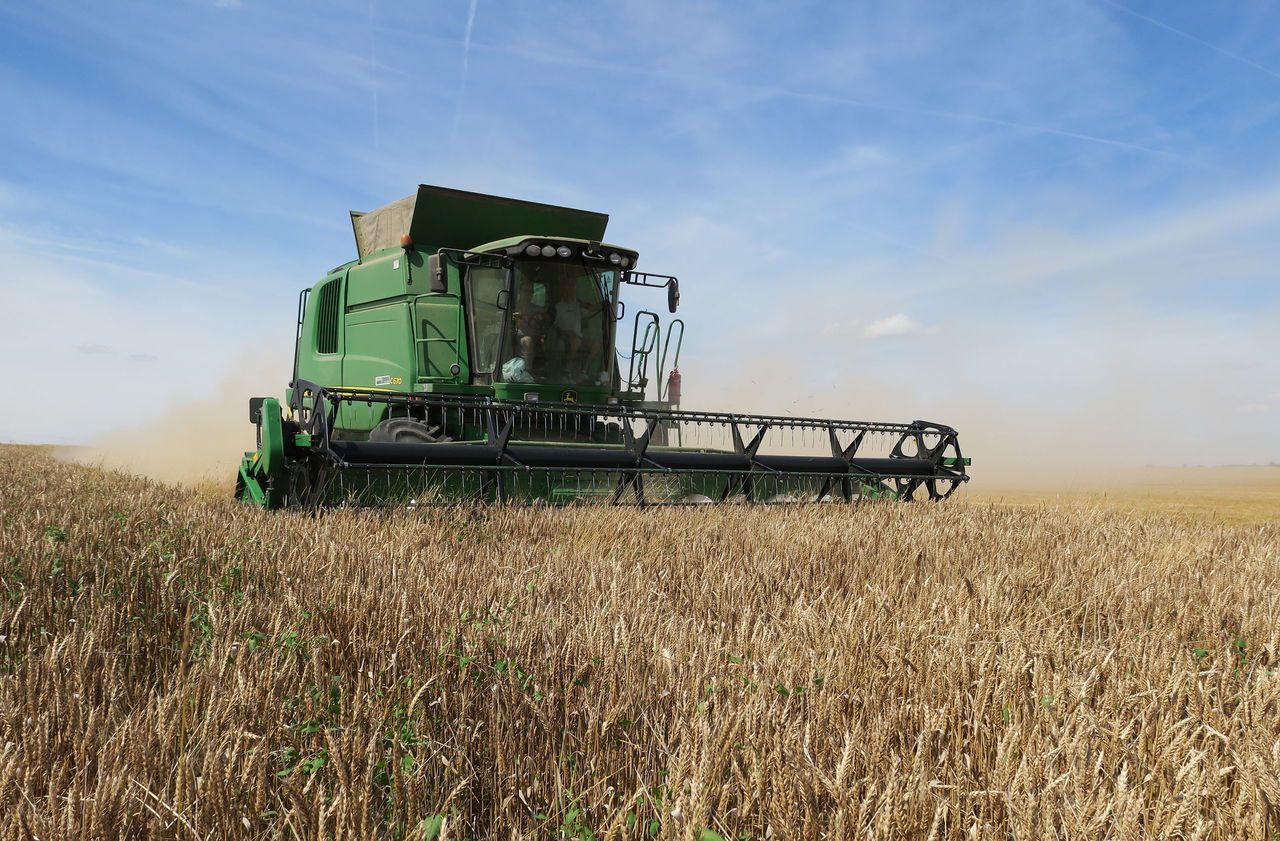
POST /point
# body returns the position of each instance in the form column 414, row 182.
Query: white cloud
column 898, row 324
column 858, row 158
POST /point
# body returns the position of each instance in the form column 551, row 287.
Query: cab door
column 487, row 316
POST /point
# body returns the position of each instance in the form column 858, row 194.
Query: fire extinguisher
column 673, row 387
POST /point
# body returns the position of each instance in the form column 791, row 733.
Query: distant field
column 1227, row 494
column 173, row 665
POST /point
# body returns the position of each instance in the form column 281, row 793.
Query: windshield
column 556, row 328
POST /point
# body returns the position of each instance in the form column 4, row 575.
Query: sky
column 1053, row 225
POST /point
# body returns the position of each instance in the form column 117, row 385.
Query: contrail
column 1181, row 34
column 373, row 66
column 979, row 118
column 850, row 102
column 466, row 66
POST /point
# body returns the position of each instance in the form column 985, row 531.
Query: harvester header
column 473, row 351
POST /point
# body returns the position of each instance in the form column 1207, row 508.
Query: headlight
column 548, row 251
column 564, row 251
column 615, row 258
column 533, row 250
column 626, row 261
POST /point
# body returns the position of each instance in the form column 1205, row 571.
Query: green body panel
column 551, row 393
column 451, row 388
column 378, row 345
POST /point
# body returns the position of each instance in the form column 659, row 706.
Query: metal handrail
column 661, row 359
column 642, row 345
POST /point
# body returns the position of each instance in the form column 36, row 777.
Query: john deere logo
column 569, row 397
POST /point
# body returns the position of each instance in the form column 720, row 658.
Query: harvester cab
column 471, row 351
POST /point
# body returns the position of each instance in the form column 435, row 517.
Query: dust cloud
column 1116, row 439
column 193, row 442
column 1124, row 434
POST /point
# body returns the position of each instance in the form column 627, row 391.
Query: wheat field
column 174, row 665
column 1240, row 494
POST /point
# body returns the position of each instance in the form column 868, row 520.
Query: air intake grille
column 327, row 317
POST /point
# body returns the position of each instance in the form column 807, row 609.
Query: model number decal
column 387, row 381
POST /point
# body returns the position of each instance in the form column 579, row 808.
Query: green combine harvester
column 469, row 353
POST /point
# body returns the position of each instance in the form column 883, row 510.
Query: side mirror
column 673, row 294
column 503, row 301
column 437, row 280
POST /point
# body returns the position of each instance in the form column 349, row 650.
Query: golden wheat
column 177, row 665
column 1240, row 495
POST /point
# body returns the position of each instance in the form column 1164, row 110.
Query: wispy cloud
column 466, row 69
column 373, row 73
column 760, row 92
column 906, row 108
column 107, row 350
column 1194, row 39
column 898, row 324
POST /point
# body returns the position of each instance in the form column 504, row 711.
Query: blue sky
column 1038, row 221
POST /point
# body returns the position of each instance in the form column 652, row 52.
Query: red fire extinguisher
column 673, row 387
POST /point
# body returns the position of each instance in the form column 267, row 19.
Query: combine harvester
column 468, row 353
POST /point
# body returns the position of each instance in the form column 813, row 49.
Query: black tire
column 407, row 431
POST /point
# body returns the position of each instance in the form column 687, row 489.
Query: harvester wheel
column 407, row 431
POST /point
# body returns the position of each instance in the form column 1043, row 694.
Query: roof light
column 626, row 261
column 548, row 251
column 564, row 251
column 615, row 258
column 533, row 249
